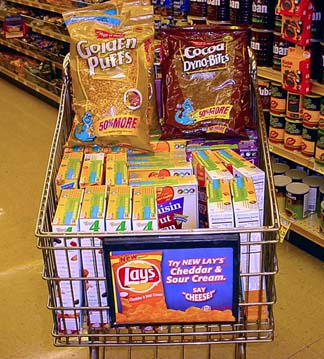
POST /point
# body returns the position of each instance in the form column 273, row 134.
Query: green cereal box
column 144, row 213
column 116, row 169
column 69, row 171
column 92, row 170
column 119, row 216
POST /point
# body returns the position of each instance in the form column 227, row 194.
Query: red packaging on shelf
column 293, row 7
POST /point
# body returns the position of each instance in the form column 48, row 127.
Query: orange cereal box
column 165, row 282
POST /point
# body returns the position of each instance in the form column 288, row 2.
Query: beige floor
column 26, row 128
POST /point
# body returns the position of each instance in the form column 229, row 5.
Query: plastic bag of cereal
column 109, row 79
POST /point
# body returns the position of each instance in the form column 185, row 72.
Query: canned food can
column 198, row 8
column 297, row 200
column 280, row 169
column 280, row 182
column 315, row 48
column 321, row 222
column 321, row 67
column 311, row 110
column 279, row 50
column 277, row 128
column 261, row 44
column 240, row 11
column 322, row 106
column 296, row 174
column 314, row 183
column 218, row 10
column 317, row 20
column 309, row 138
column 294, row 106
column 278, row 98
column 277, row 20
column 319, row 149
column 293, row 134
column 264, row 87
column 263, row 14
column 320, row 198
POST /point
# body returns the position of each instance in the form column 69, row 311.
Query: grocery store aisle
column 25, row 330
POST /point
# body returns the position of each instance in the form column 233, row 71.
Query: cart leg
column 94, row 353
column 240, row 351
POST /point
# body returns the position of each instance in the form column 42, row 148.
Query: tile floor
column 27, row 125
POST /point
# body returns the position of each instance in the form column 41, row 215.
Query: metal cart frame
column 240, row 333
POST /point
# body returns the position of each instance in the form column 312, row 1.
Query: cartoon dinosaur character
column 83, row 130
column 183, row 114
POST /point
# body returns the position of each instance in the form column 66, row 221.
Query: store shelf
column 52, row 34
column 295, row 157
column 308, row 228
column 270, row 74
column 27, row 52
column 39, row 5
column 30, row 85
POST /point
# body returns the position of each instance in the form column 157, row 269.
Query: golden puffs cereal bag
column 110, row 80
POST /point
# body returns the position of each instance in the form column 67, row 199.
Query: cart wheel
column 94, row 353
column 240, row 351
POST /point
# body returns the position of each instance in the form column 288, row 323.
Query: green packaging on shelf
column 297, row 200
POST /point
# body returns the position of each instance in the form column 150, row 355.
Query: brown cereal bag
column 205, row 82
column 109, row 78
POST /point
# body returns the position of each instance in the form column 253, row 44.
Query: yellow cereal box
column 116, row 169
column 118, row 217
column 144, row 213
column 92, row 170
column 69, row 171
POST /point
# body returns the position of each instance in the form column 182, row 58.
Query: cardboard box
column 144, row 213
column 68, row 261
column 69, row 171
column 116, row 169
column 119, row 209
column 161, row 170
column 207, row 168
column 219, row 204
column 246, row 215
column 92, row 219
column 177, row 201
column 244, row 168
column 92, row 170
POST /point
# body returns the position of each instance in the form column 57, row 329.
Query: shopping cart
column 240, row 333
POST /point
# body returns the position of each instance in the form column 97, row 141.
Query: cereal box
column 159, row 170
column 246, row 214
column 144, row 213
column 92, row 219
column 177, row 205
column 69, row 171
column 68, row 262
column 242, row 167
column 116, row 169
column 178, row 145
column 174, row 283
column 156, row 158
column 92, row 169
column 219, row 204
column 207, row 167
column 119, row 209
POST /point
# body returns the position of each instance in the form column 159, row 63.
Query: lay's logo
column 138, row 276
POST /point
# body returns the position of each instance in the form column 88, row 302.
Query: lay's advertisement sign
column 173, row 285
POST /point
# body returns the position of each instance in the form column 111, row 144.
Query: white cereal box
column 242, row 167
column 92, row 169
column 219, row 204
column 144, row 213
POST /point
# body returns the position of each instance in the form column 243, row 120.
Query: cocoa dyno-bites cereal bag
column 206, row 82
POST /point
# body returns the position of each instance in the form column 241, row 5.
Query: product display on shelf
column 149, row 220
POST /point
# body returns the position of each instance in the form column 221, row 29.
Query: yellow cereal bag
column 110, row 80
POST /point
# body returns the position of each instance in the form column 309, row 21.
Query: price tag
column 318, row 168
column 284, row 228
